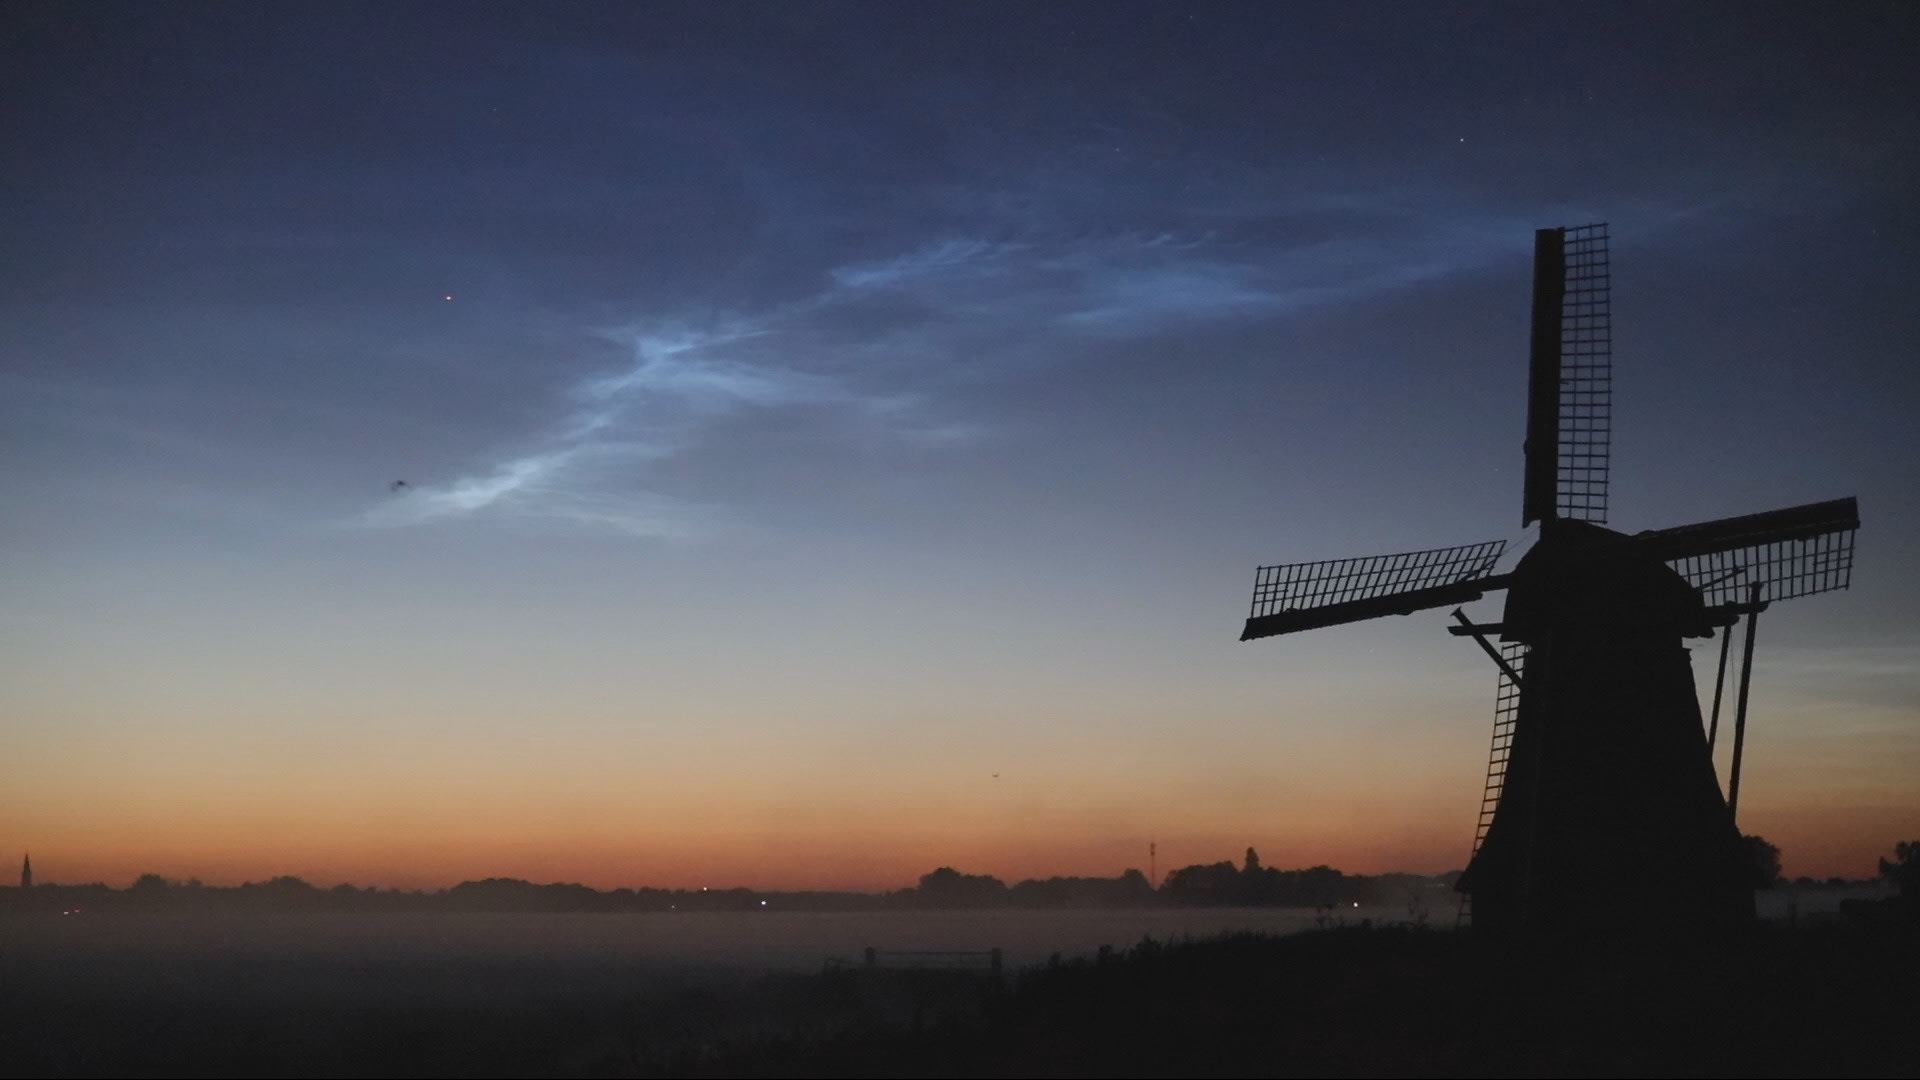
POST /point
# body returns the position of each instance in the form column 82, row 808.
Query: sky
column 838, row 439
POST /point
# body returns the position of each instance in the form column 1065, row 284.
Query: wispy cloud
column 870, row 346
column 1854, row 677
column 944, row 258
column 557, row 483
column 584, row 472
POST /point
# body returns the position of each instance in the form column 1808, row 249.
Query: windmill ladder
column 1506, row 706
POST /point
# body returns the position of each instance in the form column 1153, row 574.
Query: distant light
column 449, row 296
column 763, row 903
column 1356, row 903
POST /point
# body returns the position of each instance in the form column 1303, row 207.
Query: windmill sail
column 1798, row 551
column 1506, row 710
column 1569, row 377
column 1306, row 596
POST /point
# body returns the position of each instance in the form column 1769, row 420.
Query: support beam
column 1719, row 683
column 1540, row 478
column 1749, row 530
column 1740, row 710
column 1487, row 645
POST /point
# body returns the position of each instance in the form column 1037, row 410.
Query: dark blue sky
column 919, row 380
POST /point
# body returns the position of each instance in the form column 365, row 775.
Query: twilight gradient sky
column 853, row 428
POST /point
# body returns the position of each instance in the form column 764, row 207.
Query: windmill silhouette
column 1602, row 809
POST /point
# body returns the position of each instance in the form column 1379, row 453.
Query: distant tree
column 1203, row 883
column 1130, row 889
column 1762, row 861
column 1321, row 884
column 150, row 884
column 1253, row 862
column 1904, row 871
column 947, row 887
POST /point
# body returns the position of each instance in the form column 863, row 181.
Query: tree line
column 944, row 888
column 1219, row 884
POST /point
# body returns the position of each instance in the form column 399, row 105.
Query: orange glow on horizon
column 880, row 856
column 1385, row 782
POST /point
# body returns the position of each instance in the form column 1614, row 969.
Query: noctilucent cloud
column 803, row 413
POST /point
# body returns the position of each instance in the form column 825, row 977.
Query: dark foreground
column 1824, row 1000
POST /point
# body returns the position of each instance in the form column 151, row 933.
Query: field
column 789, row 993
column 322, row 994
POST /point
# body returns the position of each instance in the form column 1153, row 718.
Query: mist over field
column 446, row 956
column 458, row 993
column 451, row 957
column 304, row 993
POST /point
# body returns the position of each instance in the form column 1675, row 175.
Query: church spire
column 26, row 871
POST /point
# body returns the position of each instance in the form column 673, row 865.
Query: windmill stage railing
column 990, row 962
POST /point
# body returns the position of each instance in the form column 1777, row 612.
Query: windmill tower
column 1602, row 808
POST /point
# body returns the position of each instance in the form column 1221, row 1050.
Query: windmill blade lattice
column 1798, row 551
column 1569, row 377
column 1303, row 596
column 1586, row 376
column 1786, row 569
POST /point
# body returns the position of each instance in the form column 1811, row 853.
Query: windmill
column 1602, row 807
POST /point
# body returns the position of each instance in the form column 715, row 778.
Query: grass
column 1813, row 1000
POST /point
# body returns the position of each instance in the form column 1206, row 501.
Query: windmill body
column 1610, row 814
column 1603, row 809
